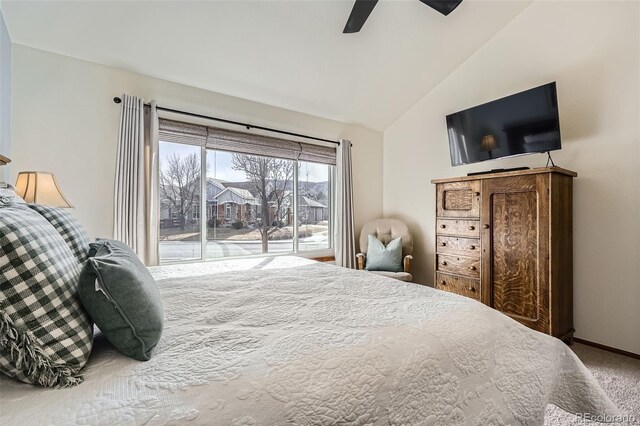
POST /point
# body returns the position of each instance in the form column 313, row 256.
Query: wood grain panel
column 458, row 265
column 515, row 260
column 458, row 246
column 561, row 270
column 460, row 285
column 458, row 199
column 458, row 227
column 515, row 248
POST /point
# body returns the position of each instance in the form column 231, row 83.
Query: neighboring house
column 229, row 202
column 311, row 211
column 234, row 204
column 284, row 215
column 249, row 186
column 170, row 218
column 214, row 188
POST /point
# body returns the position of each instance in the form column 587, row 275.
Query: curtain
column 344, row 238
column 136, row 205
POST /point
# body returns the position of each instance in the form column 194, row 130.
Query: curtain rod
column 237, row 123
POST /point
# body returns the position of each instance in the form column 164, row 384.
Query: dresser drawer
column 459, row 227
column 458, row 246
column 458, row 265
column 458, row 199
column 463, row 286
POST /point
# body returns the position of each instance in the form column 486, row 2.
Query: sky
column 220, row 164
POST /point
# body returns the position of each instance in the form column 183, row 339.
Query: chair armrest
column 360, row 258
column 407, row 262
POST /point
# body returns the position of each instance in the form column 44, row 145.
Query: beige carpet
column 618, row 375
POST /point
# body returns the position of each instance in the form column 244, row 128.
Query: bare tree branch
column 270, row 177
column 180, row 184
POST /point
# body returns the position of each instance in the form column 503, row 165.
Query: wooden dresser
column 505, row 239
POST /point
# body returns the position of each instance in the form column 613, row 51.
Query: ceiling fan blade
column 359, row 14
column 443, row 6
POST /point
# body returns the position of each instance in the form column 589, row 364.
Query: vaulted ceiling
column 290, row 54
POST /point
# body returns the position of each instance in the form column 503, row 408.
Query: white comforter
column 289, row 341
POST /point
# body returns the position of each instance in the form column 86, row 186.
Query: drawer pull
column 471, row 289
column 443, row 244
column 477, row 193
column 473, row 268
column 443, row 282
column 472, row 228
column 485, row 226
column 472, row 247
column 443, row 226
column 444, row 263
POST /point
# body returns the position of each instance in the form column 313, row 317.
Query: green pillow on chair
column 381, row 258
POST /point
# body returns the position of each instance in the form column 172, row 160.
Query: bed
column 284, row 340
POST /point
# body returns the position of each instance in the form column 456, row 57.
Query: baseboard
column 606, row 348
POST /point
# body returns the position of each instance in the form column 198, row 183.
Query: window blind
column 179, row 132
column 243, row 142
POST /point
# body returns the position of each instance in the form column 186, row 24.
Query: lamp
column 488, row 144
column 41, row 188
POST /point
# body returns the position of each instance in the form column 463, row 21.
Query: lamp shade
column 489, row 143
column 41, row 188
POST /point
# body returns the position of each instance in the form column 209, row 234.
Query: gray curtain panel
column 136, row 205
column 344, row 238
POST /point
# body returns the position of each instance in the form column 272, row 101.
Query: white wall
column 64, row 121
column 5, row 99
column 592, row 50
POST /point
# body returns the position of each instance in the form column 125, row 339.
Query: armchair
column 387, row 230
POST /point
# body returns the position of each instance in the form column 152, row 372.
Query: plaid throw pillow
column 45, row 334
column 68, row 226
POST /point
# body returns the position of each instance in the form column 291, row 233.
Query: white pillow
column 8, row 195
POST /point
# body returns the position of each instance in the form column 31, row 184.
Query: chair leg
column 407, row 263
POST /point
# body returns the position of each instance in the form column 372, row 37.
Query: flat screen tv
column 523, row 123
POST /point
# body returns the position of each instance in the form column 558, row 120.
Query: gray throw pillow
column 45, row 334
column 381, row 258
column 122, row 298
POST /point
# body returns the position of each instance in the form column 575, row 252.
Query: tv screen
column 523, row 123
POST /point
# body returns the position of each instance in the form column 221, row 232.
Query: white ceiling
column 290, row 54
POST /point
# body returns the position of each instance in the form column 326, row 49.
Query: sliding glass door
column 250, row 205
column 180, row 220
column 246, row 204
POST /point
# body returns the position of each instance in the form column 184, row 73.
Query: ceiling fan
column 362, row 9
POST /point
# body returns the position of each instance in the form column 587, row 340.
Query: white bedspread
column 290, row 341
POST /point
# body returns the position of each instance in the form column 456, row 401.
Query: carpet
column 618, row 375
